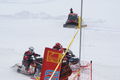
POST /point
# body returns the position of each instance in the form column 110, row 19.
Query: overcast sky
column 101, row 16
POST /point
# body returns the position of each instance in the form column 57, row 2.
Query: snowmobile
column 34, row 68
column 72, row 21
column 74, row 61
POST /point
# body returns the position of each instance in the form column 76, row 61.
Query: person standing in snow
column 28, row 57
column 65, row 68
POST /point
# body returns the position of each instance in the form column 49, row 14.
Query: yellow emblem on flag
column 53, row 57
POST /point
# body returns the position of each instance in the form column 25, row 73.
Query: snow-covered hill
column 39, row 24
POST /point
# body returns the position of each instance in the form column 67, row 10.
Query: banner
column 50, row 61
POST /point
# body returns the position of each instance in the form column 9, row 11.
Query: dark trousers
column 27, row 63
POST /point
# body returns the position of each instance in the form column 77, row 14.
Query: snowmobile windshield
column 72, row 17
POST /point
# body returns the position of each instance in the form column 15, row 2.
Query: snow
column 38, row 23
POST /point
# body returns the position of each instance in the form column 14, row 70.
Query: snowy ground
column 25, row 23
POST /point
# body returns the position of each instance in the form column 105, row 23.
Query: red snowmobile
column 34, row 68
column 72, row 20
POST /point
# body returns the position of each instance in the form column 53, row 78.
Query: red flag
column 50, row 61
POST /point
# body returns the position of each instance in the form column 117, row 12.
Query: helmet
column 71, row 10
column 57, row 46
column 31, row 48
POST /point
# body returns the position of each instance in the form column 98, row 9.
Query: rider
column 65, row 68
column 69, row 53
column 28, row 57
column 71, row 10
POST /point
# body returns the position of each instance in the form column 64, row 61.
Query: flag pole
column 81, row 15
column 80, row 44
